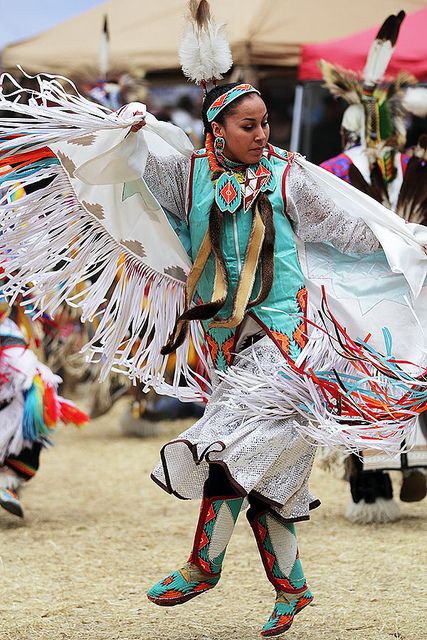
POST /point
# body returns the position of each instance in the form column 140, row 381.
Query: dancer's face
column 245, row 130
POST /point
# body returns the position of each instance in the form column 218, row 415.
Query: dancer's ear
column 218, row 130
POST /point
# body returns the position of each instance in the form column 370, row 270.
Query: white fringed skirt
column 269, row 458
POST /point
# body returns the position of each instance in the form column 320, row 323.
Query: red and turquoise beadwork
column 285, row 609
column 203, row 569
column 228, row 194
column 226, row 98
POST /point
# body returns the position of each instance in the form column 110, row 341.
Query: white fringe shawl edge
column 51, row 226
column 134, row 307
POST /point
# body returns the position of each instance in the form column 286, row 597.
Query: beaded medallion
column 247, row 183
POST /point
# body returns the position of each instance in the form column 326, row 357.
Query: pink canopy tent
column 410, row 53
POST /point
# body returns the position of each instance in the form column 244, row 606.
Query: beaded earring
column 219, row 144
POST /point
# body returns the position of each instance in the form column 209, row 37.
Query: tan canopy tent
column 144, row 35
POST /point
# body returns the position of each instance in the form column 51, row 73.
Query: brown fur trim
column 203, row 311
column 412, row 201
column 210, row 309
column 211, row 242
column 267, row 251
column 216, row 218
column 247, row 275
column 176, row 338
column 358, row 181
column 202, row 257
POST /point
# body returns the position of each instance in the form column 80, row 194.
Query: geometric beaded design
column 230, row 186
column 228, row 194
column 279, row 552
column 180, row 586
column 285, row 609
column 226, row 98
column 203, row 570
column 227, row 511
column 295, row 581
column 258, row 177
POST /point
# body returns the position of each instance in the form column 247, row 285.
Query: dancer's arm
column 316, row 218
column 167, row 177
column 168, row 180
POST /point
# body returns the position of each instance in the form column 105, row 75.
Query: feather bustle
column 412, row 202
column 342, row 83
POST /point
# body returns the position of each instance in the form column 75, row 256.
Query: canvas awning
column 144, row 36
column 409, row 55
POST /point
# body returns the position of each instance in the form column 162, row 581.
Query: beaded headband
column 222, row 101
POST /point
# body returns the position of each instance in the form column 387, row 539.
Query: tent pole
column 297, row 118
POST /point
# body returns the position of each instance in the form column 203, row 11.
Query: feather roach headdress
column 381, row 103
column 375, row 118
column 204, row 51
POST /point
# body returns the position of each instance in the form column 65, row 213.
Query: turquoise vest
column 282, row 313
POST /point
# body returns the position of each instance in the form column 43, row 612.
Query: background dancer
column 374, row 134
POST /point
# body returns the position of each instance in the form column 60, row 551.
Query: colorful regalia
column 94, row 166
column 186, row 245
column 30, row 411
column 373, row 129
column 30, row 408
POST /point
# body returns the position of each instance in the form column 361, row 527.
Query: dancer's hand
column 138, row 125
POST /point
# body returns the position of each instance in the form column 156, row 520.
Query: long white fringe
column 285, row 393
column 130, row 330
column 60, row 115
column 135, row 307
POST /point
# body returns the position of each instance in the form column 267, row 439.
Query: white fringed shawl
column 98, row 219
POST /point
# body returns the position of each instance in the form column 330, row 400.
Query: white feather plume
column 415, row 101
column 382, row 49
column 205, row 52
column 378, row 58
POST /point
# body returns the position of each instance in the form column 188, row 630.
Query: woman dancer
column 283, row 379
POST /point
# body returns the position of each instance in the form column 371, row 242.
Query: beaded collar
column 242, row 182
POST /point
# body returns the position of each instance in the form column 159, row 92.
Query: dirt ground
column 98, row 532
